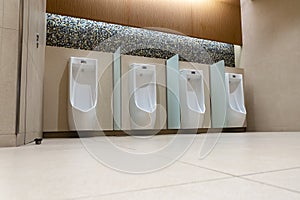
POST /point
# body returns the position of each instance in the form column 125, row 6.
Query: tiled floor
column 228, row 166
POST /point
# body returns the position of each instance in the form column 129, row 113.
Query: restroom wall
column 55, row 118
column 161, row 114
column 55, row 115
column 218, row 20
column 271, row 56
column 9, row 30
column 32, row 71
column 31, row 60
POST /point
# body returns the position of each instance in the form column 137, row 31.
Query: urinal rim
column 84, row 111
column 244, row 111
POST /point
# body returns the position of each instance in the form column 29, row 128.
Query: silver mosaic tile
column 70, row 32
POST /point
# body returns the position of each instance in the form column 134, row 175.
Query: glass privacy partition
column 173, row 93
column 117, row 89
column 218, row 95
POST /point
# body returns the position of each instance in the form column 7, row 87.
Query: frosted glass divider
column 173, row 93
column 117, row 89
column 218, row 95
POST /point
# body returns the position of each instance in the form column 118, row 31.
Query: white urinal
column 236, row 112
column 142, row 91
column 192, row 99
column 83, row 94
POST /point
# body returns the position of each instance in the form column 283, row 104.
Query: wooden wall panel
column 218, row 20
column 170, row 14
column 114, row 11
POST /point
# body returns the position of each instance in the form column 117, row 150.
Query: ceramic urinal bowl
column 142, row 91
column 236, row 112
column 192, row 100
column 83, row 94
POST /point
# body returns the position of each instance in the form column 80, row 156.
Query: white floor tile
column 289, row 179
column 246, row 153
column 231, row 189
column 65, row 169
column 36, row 172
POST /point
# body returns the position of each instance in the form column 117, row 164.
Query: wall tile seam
column 6, row 28
column 7, row 134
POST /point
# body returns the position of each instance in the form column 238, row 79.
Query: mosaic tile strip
column 70, row 32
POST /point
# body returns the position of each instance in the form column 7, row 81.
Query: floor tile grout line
column 153, row 188
column 252, row 180
column 210, row 169
column 270, row 185
column 271, row 171
column 240, row 175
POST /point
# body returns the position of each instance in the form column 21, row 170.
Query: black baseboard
column 79, row 134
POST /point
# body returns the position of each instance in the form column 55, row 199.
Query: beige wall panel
column 271, row 56
column 8, row 80
column 234, row 70
column 8, row 140
column 205, row 69
column 126, row 61
column 9, row 11
column 1, row 13
column 34, row 68
column 22, row 122
column 56, row 87
column 34, row 101
column 20, row 138
column 11, row 14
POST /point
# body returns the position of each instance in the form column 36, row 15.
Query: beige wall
column 271, row 57
column 205, row 69
column 33, row 65
column 9, row 29
column 32, row 70
column 56, row 88
column 126, row 61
